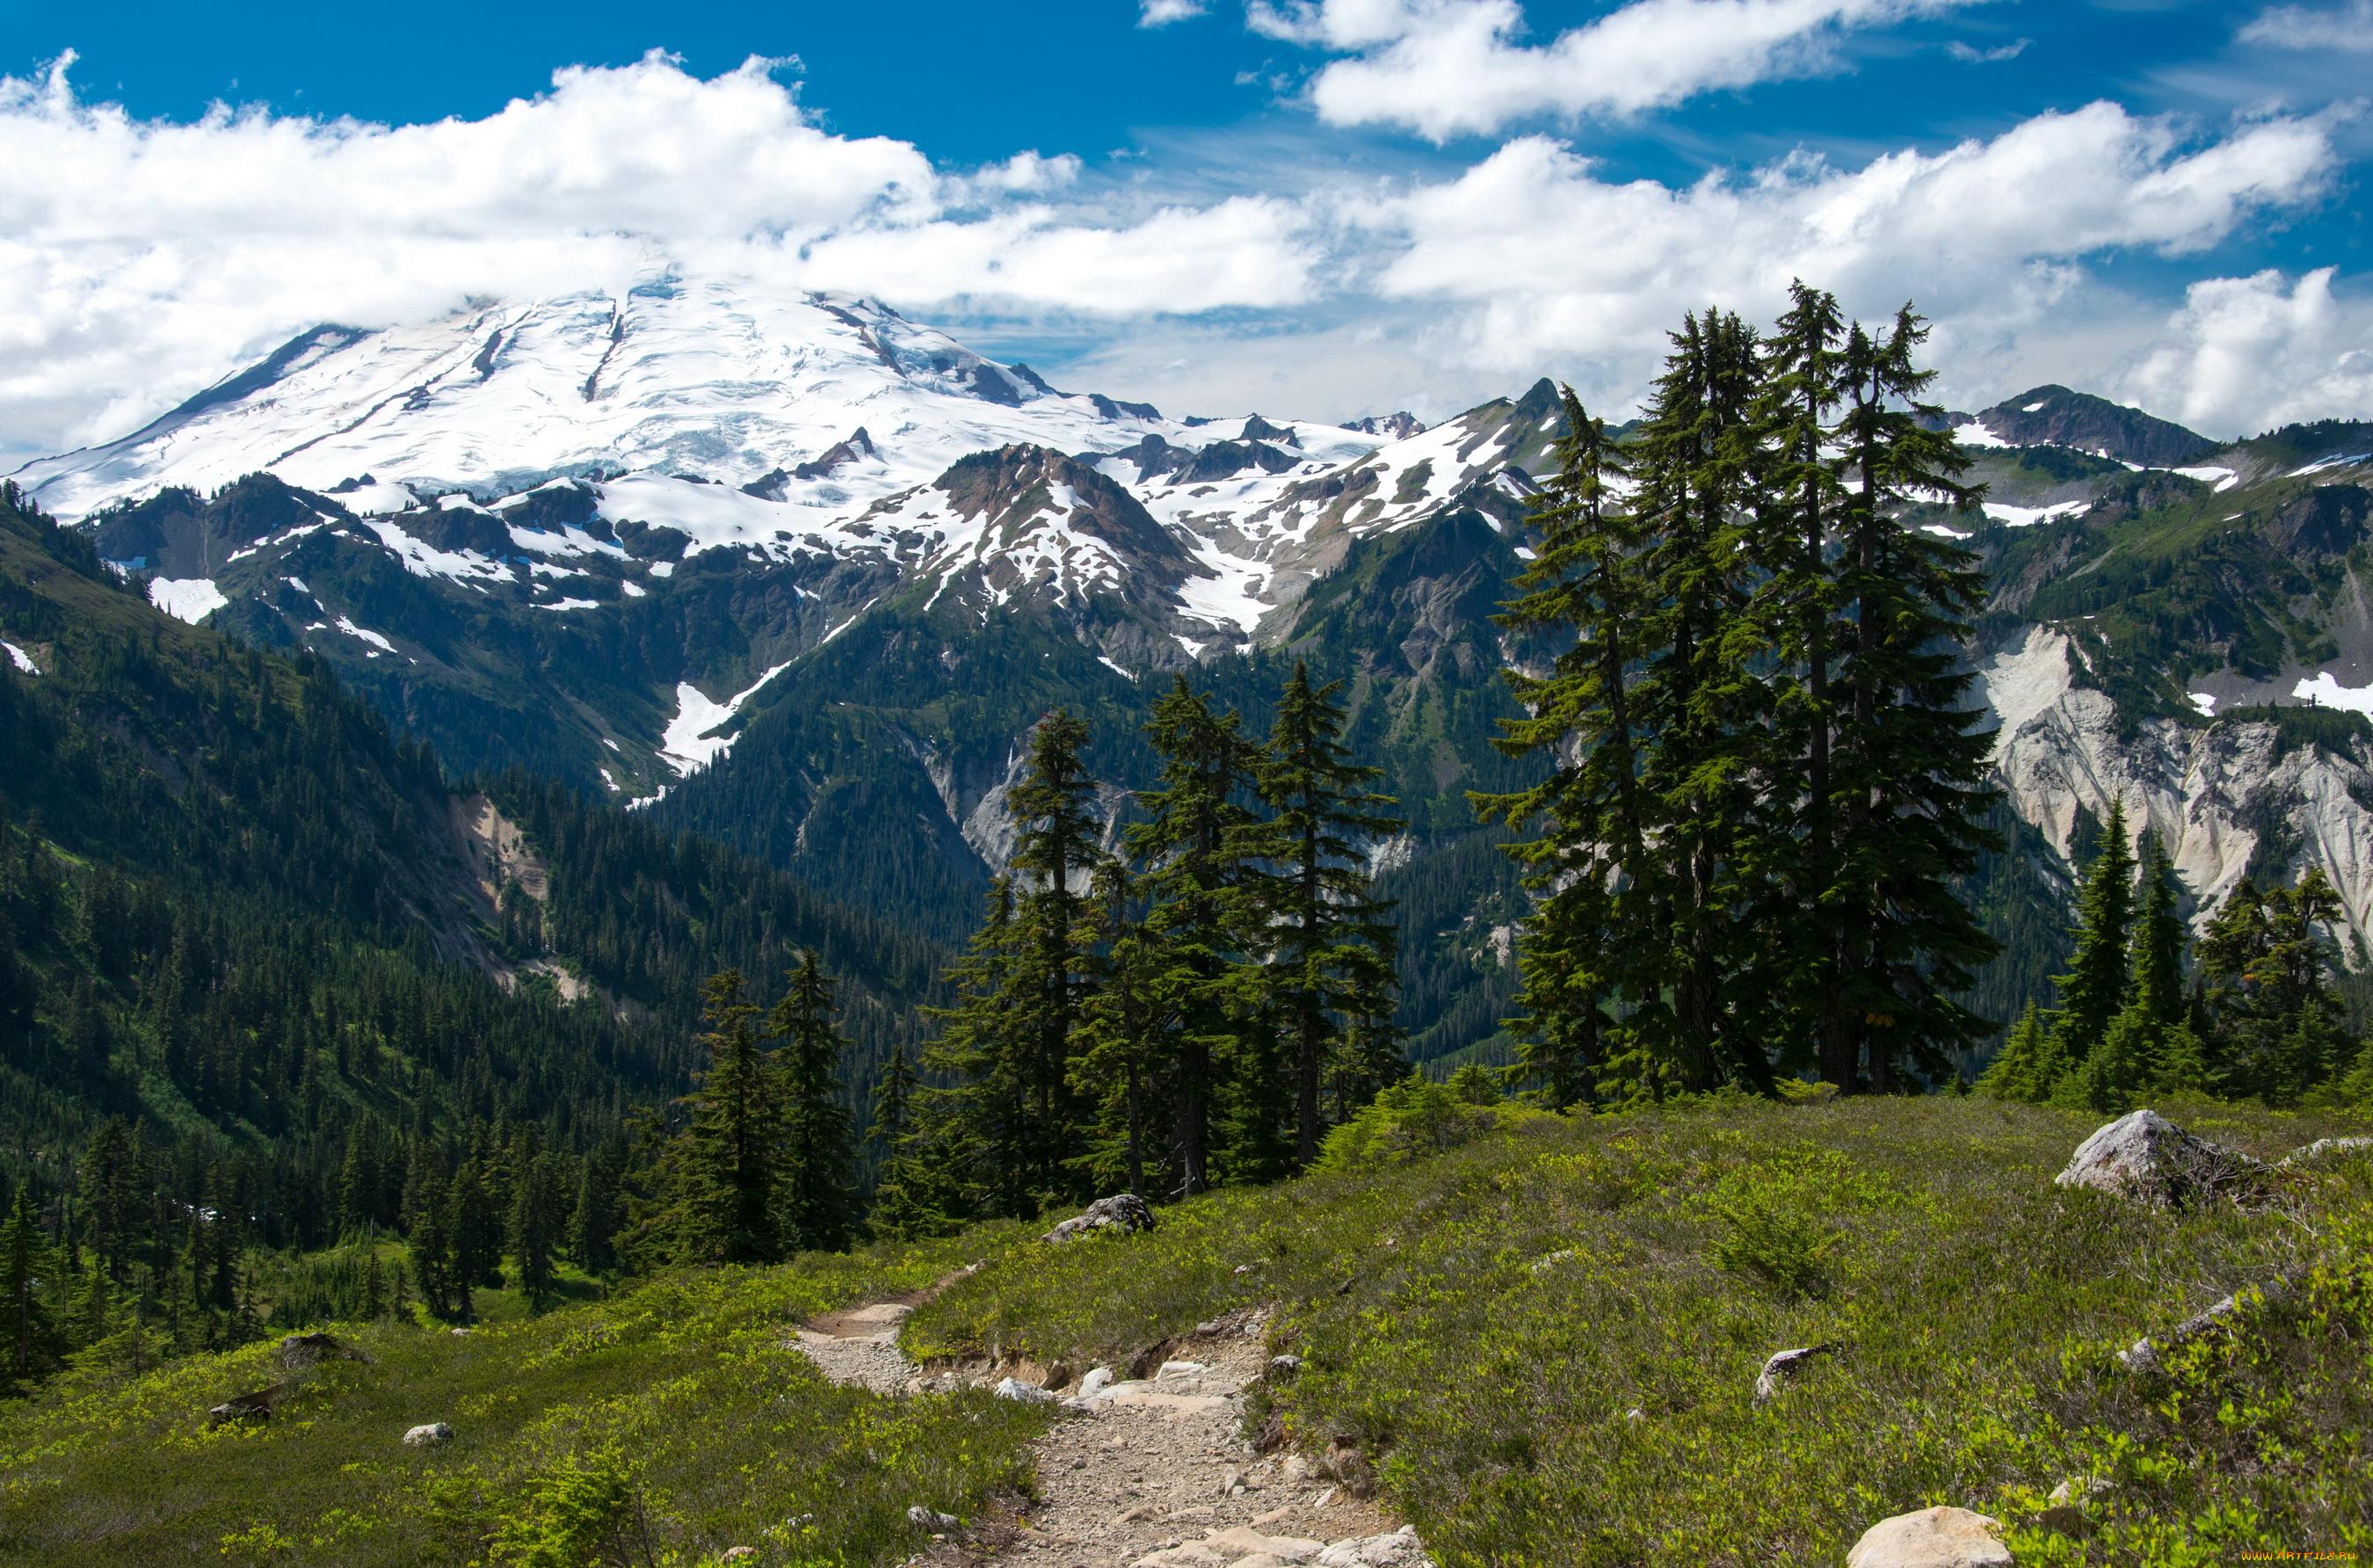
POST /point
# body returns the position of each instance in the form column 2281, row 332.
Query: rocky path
column 1151, row 1474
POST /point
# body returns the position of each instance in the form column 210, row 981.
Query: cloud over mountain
column 142, row 259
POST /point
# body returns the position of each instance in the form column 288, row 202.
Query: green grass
column 682, row 1392
column 1482, row 1323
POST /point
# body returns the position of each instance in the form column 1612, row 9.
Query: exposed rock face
column 2143, row 1157
column 1121, row 1211
column 2212, row 796
column 1934, row 1538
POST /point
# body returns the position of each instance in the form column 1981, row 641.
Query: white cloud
column 141, row 260
column 2246, row 354
column 1161, row 13
column 1450, row 68
column 1970, row 55
column 1536, row 256
column 2348, row 27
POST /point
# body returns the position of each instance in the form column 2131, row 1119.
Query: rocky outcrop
column 2218, row 798
column 2146, row 1158
column 1122, row 1211
column 1780, row 1369
column 1934, row 1538
column 2144, row 1355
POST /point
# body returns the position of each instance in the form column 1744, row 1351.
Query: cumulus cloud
column 1450, row 68
column 140, row 260
column 2346, row 27
column 2246, row 354
column 1536, row 254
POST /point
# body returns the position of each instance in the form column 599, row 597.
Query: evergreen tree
column 27, row 1275
column 112, row 1183
column 725, row 1162
column 473, row 1237
column 893, row 1096
column 1909, row 762
column 1197, row 863
column 2023, row 1068
column 1053, row 863
column 2101, row 973
column 955, row 1154
column 1699, row 704
column 534, row 1229
column 2268, row 964
column 1585, row 944
column 1335, row 951
column 2158, row 941
column 1118, row 1043
column 814, row 1180
column 1801, row 501
column 431, row 1249
column 596, row 1216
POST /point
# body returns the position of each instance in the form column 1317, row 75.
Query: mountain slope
column 240, row 909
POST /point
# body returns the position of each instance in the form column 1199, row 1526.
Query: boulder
column 1122, row 1211
column 2066, row 1513
column 2146, row 1158
column 1095, row 1382
column 1241, row 1540
column 1400, row 1550
column 2325, row 1149
column 1934, row 1538
column 298, row 1352
column 435, row 1435
column 1028, row 1393
column 1779, row 1368
column 2144, row 1356
column 254, row 1406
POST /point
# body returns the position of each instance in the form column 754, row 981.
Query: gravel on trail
column 1151, row 1474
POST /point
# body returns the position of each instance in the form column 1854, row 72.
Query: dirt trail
column 1151, row 1474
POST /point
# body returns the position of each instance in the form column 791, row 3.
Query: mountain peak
column 2057, row 417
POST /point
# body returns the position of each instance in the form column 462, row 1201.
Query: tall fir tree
column 725, row 1161
column 1910, row 762
column 1119, row 1045
column 1054, row 857
column 964, row 1129
column 1586, row 945
column 533, row 1230
column 1696, row 459
column 815, row 1180
column 1197, row 861
column 27, row 1270
column 2101, row 971
column 1334, row 959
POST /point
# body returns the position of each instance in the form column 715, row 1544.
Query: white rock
column 932, row 1519
column 1934, row 1538
column 1028, row 1393
column 1094, row 1382
column 2143, row 1157
column 435, row 1435
column 2323, row 1148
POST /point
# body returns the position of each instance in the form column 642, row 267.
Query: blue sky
column 1327, row 207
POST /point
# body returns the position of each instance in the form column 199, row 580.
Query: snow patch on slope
column 190, row 599
column 687, row 743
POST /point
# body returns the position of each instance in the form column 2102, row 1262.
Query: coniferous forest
column 281, row 1041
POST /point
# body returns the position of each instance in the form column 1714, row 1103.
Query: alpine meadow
column 651, row 913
